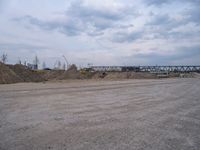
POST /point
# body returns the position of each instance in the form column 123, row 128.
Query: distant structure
column 106, row 68
column 32, row 66
column 151, row 69
column 67, row 62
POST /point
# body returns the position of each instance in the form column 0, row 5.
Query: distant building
column 106, row 68
column 115, row 68
column 32, row 66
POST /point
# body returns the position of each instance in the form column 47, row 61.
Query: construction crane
column 66, row 61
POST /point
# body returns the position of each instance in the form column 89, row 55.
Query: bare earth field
column 101, row 115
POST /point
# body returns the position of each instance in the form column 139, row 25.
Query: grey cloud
column 99, row 19
column 181, row 35
column 71, row 29
column 121, row 37
column 160, row 20
column 20, row 46
column 125, row 26
column 78, row 9
column 164, row 21
column 193, row 14
column 156, row 2
column 80, row 18
column 160, row 2
column 161, row 26
column 91, row 17
column 91, row 33
column 193, row 2
column 174, row 35
column 180, row 57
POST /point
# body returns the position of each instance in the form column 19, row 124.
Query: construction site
column 22, row 73
column 100, row 107
column 99, row 75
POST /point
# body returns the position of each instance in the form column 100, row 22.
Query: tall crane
column 66, row 61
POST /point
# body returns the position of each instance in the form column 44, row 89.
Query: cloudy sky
column 101, row 32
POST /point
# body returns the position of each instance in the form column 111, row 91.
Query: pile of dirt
column 19, row 73
column 124, row 75
column 7, row 75
column 53, row 74
column 26, row 74
column 71, row 73
column 196, row 75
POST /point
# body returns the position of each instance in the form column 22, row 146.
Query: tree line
column 57, row 65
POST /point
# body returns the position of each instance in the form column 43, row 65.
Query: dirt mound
column 53, row 74
column 26, row 74
column 19, row 73
column 71, row 73
column 124, row 75
column 196, row 75
column 7, row 75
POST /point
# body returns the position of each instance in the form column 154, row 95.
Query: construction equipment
column 68, row 65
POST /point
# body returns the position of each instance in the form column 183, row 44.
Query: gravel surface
column 101, row 115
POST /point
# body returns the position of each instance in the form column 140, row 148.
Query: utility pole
column 36, row 62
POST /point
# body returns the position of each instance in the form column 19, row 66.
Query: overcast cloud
column 101, row 32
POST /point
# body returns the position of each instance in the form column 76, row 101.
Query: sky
column 101, row 32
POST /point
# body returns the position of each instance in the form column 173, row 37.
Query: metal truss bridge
column 148, row 68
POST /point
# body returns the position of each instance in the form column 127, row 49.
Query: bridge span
column 148, row 68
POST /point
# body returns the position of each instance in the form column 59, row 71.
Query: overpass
column 148, row 68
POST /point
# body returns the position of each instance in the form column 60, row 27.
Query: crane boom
column 66, row 61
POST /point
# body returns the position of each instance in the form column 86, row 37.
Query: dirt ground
column 101, row 115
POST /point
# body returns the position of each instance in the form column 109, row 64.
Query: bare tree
column 4, row 58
